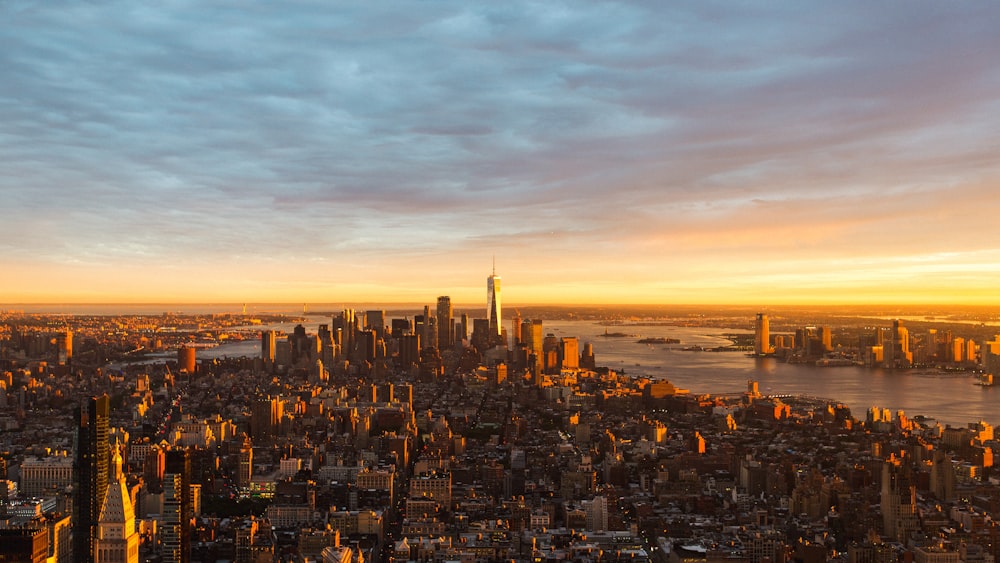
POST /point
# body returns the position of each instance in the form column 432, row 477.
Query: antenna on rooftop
column 494, row 264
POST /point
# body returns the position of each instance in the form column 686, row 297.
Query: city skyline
column 780, row 154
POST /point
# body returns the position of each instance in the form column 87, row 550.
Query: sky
column 629, row 152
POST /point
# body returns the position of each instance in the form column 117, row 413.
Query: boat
column 985, row 379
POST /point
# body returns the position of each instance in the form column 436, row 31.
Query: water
column 949, row 397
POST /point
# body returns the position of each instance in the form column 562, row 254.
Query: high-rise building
column 65, row 342
column 117, row 539
column 597, row 513
column 569, row 347
column 366, row 343
column 901, row 355
column 445, row 326
column 268, row 343
column 429, row 336
column 826, row 338
column 533, row 336
column 186, row 359
column 587, row 360
column 345, row 327
column 990, row 356
column 265, row 418
column 92, row 456
column 493, row 302
column 898, row 501
column 152, row 468
column 375, row 320
column 177, row 508
column 244, row 474
column 515, row 325
column 409, row 350
column 958, row 349
column 762, row 336
column 401, row 327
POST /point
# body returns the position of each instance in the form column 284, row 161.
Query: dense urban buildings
column 346, row 436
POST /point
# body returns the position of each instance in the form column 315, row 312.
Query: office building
column 515, row 326
column 569, row 348
column 268, row 344
column 493, row 303
column 898, row 501
column 64, row 340
column 587, row 360
column 533, row 336
column 244, row 474
column 445, row 326
column 28, row 543
column 401, row 327
column 265, row 418
column 345, row 326
column 177, row 508
column 409, row 350
column 762, row 336
column 900, row 346
column 186, row 360
column 375, row 320
column 46, row 476
column 92, row 455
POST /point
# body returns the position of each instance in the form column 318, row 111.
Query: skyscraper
column 375, row 320
column 268, row 343
column 187, row 359
column 177, row 508
column 532, row 334
column 65, row 342
column 429, row 337
column 762, row 336
column 516, row 328
column 445, row 326
column 265, row 418
column 91, row 475
column 493, row 312
column 569, row 348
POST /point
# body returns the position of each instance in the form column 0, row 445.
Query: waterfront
column 949, row 397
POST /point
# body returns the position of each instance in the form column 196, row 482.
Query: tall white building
column 117, row 539
column 493, row 303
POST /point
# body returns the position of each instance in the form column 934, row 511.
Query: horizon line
column 761, row 305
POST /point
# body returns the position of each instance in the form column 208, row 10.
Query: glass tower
column 493, row 303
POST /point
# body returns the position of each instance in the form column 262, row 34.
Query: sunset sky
column 646, row 152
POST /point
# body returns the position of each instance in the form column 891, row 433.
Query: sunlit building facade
column 762, row 336
column 493, row 303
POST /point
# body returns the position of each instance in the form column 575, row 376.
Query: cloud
column 207, row 130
